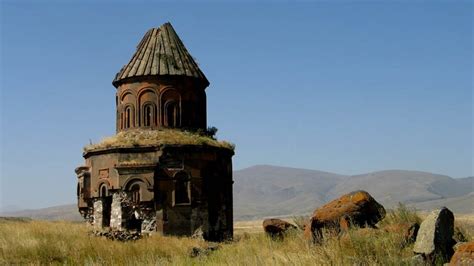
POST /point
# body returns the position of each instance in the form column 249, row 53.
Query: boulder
column 276, row 227
column 357, row 208
column 203, row 251
column 464, row 255
column 198, row 233
column 435, row 237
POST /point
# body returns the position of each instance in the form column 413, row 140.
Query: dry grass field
column 42, row 242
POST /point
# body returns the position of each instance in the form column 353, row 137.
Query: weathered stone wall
column 188, row 93
column 117, row 168
column 102, row 172
column 148, row 217
column 199, row 223
column 207, row 172
column 179, row 221
column 83, row 187
column 97, row 215
column 116, row 211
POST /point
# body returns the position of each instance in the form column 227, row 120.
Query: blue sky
column 345, row 87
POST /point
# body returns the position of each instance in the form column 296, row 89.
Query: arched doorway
column 106, row 204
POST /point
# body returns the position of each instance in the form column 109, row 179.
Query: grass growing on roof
column 140, row 137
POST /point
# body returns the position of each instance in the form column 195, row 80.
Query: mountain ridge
column 267, row 190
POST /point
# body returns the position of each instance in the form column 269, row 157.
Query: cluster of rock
column 433, row 238
column 200, row 251
column 435, row 243
column 119, row 235
column 357, row 208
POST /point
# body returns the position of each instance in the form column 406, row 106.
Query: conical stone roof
column 160, row 53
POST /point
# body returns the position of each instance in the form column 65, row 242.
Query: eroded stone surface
column 435, row 236
column 464, row 255
column 118, row 235
column 116, row 212
column 97, row 216
column 200, row 251
column 148, row 221
column 276, row 227
column 356, row 208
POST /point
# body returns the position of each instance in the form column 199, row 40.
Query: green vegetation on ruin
column 41, row 242
column 140, row 137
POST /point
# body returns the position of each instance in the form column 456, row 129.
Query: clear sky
column 346, row 87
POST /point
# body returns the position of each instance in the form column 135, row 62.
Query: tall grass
column 401, row 215
column 63, row 242
column 40, row 242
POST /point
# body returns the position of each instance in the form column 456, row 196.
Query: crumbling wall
column 208, row 214
column 199, row 222
column 148, row 219
column 116, row 211
column 124, row 214
column 97, row 215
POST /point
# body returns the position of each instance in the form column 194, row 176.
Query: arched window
column 127, row 117
column 149, row 110
column 172, row 114
column 135, row 193
column 170, row 104
column 126, row 103
column 103, row 191
column 147, row 115
column 182, row 188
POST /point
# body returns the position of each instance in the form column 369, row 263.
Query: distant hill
column 390, row 187
column 271, row 190
column 265, row 190
column 63, row 212
column 462, row 204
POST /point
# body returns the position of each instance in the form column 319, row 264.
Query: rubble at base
column 118, row 235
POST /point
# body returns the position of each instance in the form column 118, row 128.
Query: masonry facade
column 174, row 189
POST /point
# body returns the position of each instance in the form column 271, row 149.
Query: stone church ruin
column 162, row 171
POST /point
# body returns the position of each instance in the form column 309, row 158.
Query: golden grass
column 466, row 224
column 41, row 242
column 140, row 137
